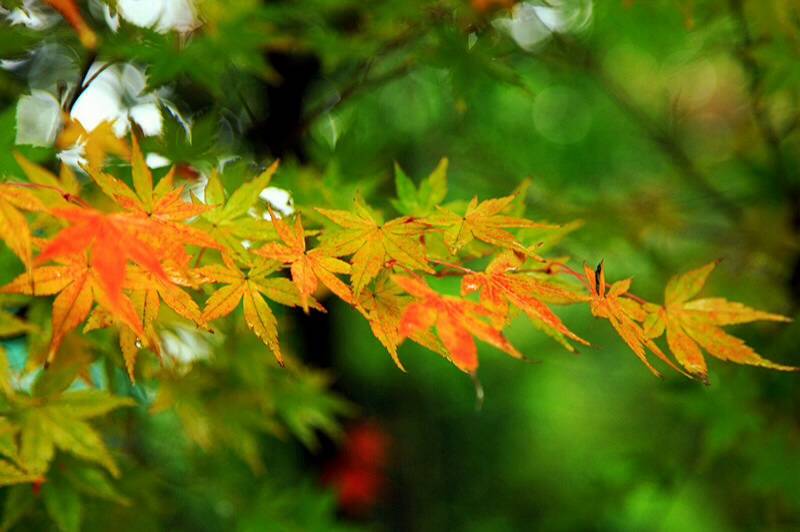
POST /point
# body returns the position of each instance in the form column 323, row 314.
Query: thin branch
column 96, row 74
column 81, row 85
column 361, row 81
column 659, row 136
column 72, row 198
column 353, row 89
column 755, row 76
column 634, row 297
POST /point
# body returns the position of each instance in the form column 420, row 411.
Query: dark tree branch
column 355, row 88
column 82, row 81
column 755, row 74
column 659, row 136
column 362, row 81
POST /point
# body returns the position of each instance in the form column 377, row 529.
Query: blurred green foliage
column 669, row 128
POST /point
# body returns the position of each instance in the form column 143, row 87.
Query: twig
column 634, row 297
column 72, row 198
column 755, row 90
column 658, row 135
column 362, row 81
column 94, row 76
column 81, row 85
column 353, row 89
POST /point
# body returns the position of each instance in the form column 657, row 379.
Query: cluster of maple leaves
column 159, row 245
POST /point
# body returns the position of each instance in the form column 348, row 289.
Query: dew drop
column 479, row 396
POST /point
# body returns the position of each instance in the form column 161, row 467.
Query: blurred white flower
column 156, row 160
column 185, row 345
column 530, row 24
column 74, row 156
column 160, row 15
column 279, row 199
column 38, row 119
column 117, row 95
column 33, row 15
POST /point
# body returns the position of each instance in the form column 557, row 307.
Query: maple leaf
column 307, row 267
column 413, row 201
column 623, row 314
column 250, row 287
column 77, row 287
column 499, row 288
column 170, row 292
column 162, row 206
column 112, row 240
column 228, row 223
column 53, row 191
column 146, row 294
column 146, row 303
column 456, row 321
column 483, row 221
column 372, row 243
column 43, row 424
column 383, row 307
column 14, row 228
column 695, row 326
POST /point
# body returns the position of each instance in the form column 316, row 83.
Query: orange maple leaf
column 623, row 313
column 456, row 321
column 307, row 267
column 163, row 206
column 696, row 324
column 500, row 287
column 383, row 307
column 112, row 240
column 78, row 285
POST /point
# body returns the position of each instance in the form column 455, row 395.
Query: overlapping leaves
column 166, row 246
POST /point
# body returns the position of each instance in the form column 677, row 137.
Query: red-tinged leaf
column 162, row 210
column 77, row 286
column 383, row 307
column 499, row 287
column 112, row 240
column 456, row 322
column 172, row 207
